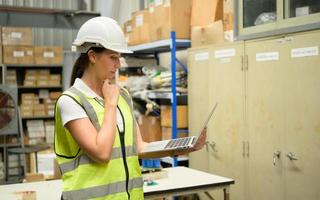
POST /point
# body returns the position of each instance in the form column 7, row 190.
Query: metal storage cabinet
column 302, row 116
column 265, row 118
column 226, row 86
column 198, row 62
column 216, row 75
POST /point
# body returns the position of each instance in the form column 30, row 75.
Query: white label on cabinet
column 48, row 54
column 201, row 56
column 304, row 52
column 18, row 53
column 139, row 20
column 16, row 35
column 129, row 28
column 267, row 56
column 158, row 2
column 225, row 53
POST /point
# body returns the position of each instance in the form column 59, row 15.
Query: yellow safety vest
column 120, row 177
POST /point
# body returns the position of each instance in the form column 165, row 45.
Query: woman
column 97, row 140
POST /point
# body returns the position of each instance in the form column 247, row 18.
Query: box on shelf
column 30, row 83
column 49, row 108
column 182, row 116
column 26, row 110
column 18, row 54
column 167, row 134
column 11, row 77
column 17, row 36
column 205, row 12
column 55, row 79
column 35, row 129
column 55, row 95
column 205, row 35
column 150, row 128
column 49, row 130
column 140, row 27
column 174, row 15
column 48, row 55
column 39, row 110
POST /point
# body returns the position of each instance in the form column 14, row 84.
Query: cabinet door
column 302, row 116
column 198, row 63
column 265, row 118
column 226, row 128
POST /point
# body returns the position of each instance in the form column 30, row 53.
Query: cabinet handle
column 213, row 146
column 276, row 155
column 291, row 156
column 243, row 148
column 248, row 148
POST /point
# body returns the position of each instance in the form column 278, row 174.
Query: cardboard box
column 167, row 134
column 18, row 55
column 31, row 83
column 17, row 36
column 140, row 27
column 228, row 17
column 172, row 15
column 55, row 95
column 182, row 116
column 48, row 55
column 150, row 128
column 205, row 12
column 211, row 34
column 26, row 110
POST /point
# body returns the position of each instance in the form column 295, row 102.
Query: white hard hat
column 100, row 32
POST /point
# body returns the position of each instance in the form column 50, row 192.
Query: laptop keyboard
column 180, row 142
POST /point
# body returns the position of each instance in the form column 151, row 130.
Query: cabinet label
column 267, row 56
column 201, row 56
column 48, row 54
column 225, row 53
column 304, row 52
column 16, row 35
column 18, row 53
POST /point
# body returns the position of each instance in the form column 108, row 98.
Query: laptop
column 179, row 143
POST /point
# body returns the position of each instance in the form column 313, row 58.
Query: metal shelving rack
column 171, row 45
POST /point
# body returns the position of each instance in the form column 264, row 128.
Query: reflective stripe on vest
column 104, row 190
column 85, row 159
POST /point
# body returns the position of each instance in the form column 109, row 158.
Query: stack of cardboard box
column 28, row 102
column 166, row 121
column 41, row 78
column 206, row 22
column 49, row 131
column 157, row 21
column 17, row 45
column 11, row 77
column 36, row 131
column 211, row 21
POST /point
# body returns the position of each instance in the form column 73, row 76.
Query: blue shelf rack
column 172, row 45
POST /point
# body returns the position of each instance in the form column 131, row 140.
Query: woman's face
column 106, row 64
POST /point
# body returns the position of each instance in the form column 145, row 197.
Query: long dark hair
column 82, row 63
